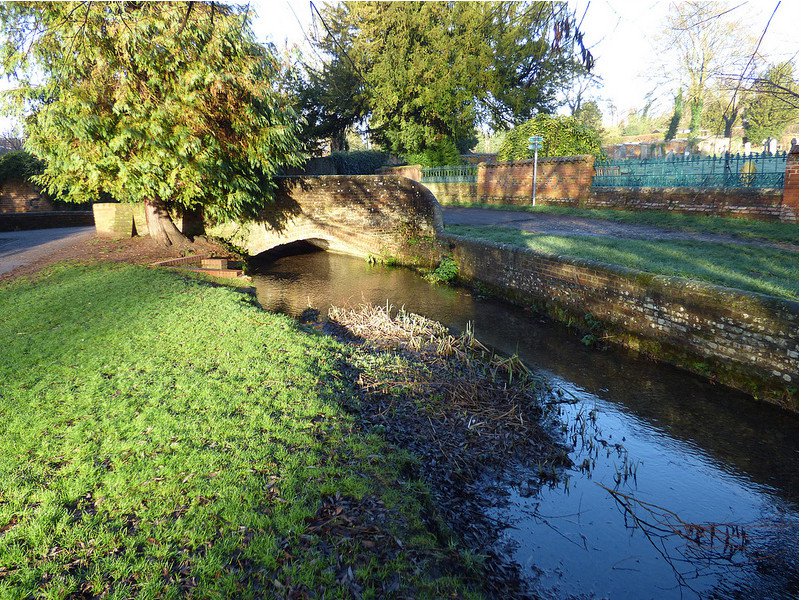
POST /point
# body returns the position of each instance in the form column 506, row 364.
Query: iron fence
column 726, row 171
column 450, row 174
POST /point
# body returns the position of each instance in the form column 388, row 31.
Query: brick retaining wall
column 747, row 341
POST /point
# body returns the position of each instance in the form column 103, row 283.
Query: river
column 681, row 488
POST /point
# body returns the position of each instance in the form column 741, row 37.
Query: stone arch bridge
column 388, row 218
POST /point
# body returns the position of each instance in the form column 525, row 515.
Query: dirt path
column 567, row 225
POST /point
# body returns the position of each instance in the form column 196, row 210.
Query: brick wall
column 454, row 193
column 560, row 180
column 790, row 196
column 45, row 220
column 21, row 197
column 765, row 204
column 747, row 341
column 385, row 217
column 413, row 172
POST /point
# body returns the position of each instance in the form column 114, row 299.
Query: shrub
column 442, row 153
column 562, row 136
column 360, row 162
column 446, row 271
column 19, row 165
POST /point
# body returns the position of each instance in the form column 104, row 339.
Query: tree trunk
column 160, row 225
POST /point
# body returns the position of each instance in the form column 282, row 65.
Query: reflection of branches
column 692, row 550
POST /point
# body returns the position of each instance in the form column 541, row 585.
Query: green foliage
column 753, row 268
column 589, row 115
column 174, row 103
column 773, row 103
column 430, row 70
column 362, row 162
column 159, row 432
column 562, row 136
column 19, row 165
column 446, row 272
column 439, row 154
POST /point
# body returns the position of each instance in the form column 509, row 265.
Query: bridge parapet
column 387, row 217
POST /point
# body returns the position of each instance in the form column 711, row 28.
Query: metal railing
column 726, row 171
column 450, row 174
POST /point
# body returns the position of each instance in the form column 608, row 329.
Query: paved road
column 568, row 225
column 18, row 248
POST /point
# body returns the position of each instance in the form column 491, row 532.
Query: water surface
column 673, row 447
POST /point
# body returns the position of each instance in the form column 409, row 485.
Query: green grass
column 751, row 268
column 743, row 228
column 160, row 435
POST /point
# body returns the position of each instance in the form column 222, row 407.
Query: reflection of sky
column 578, row 542
column 707, row 453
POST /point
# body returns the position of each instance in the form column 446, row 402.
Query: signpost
column 534, row 143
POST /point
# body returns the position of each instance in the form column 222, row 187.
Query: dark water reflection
column 703, row 451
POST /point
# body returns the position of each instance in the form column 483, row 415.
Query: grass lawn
column 161, row 436
column 756, row 269
column 744, row 228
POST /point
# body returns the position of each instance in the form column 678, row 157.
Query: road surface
column 19, row 248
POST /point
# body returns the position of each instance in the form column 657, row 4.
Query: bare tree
column 700, row 41
column 11, row 139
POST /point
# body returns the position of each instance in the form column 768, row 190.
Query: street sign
column 535, row 138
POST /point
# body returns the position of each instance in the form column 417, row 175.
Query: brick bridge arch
column 379, row 216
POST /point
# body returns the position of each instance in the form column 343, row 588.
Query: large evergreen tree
column 171, row 104
column 772, row 103
column 428, row 72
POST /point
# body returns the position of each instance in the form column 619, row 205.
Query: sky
column 622, row 36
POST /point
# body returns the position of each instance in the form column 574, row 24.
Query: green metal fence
column 450, row 174
column 727, row 171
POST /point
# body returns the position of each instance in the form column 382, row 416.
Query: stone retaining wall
column 747, row 341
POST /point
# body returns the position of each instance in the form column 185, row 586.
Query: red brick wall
column 746, row 203
column 560, row 180
column 21, row 197
column 414, row 172
column 790, row 196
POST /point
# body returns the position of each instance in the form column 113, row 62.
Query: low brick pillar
column 120, row 220
column 790, row 195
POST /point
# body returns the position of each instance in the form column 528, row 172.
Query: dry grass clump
column 465, row 411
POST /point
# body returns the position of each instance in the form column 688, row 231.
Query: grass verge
column 757, row 269
column 160, row 436
column 743, row 228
